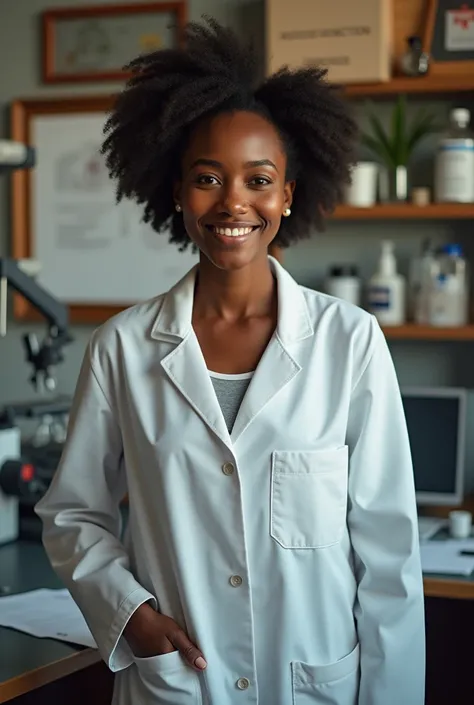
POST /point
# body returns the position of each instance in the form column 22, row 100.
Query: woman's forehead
column 241, row 135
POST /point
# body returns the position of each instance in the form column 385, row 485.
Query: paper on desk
column 46, row 613
column 443, row 557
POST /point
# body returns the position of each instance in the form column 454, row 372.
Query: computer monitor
column 436, row 420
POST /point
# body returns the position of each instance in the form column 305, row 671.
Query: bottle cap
column 414, row 42
column 452, row 249
column 461, row 116
column 388, row 247
column 387, row 262
column 344, row 270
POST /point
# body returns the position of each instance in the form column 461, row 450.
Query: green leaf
column 377, row 148
column 424, row 125
column 398, row 132
column 395, row 148
column 380, row 135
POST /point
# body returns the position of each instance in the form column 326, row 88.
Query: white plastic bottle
column 454, row 169
column 420, row 283
column 386, row 290
column 344, row 283
column 449, row 295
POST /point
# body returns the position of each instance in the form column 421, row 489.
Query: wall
column 20, row 52
column 417, row 363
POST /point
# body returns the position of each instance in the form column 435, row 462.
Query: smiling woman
column 294, row 119
column 233, row 198
column 256, row 425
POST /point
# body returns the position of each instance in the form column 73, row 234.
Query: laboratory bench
column 43, row 671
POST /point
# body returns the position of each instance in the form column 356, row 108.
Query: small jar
column 343, row 282
column 415, row 61
column 420, row 196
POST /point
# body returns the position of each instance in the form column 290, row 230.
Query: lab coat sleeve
column 382, row 521
column 81, row 520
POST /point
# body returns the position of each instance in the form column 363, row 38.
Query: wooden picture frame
column 91, row 261
column 87, row 44
column 434, row 36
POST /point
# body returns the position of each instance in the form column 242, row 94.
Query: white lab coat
column 309, row 501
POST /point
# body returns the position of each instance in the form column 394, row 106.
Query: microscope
column 26, row 468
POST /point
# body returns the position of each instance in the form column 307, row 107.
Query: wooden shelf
column 448, row 587
column 406, row 211
column 411, row 331
column 432, row 85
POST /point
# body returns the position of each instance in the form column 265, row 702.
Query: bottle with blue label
column 454, row 168
column 448, row 300
column 386, row 290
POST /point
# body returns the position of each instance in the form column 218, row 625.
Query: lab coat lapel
column 186, row 367
column 278, row 365
column 185, row 364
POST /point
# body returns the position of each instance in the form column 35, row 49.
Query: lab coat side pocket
column 333, row 684
column 309, row 497
column 167, row 679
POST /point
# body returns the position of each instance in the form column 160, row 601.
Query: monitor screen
column 435, row 421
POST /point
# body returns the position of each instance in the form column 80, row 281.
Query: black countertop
column 24, row 566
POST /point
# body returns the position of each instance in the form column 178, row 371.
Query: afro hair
column 171, row 90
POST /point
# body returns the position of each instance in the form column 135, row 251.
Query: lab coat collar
column 175, row 316
column 186, row 367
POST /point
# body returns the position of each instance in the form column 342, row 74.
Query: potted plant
column 395, row 146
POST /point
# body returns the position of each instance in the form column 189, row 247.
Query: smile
column 231, row 232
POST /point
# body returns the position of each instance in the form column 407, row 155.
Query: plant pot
column 393, row 184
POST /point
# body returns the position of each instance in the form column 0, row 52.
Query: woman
column 271, row 550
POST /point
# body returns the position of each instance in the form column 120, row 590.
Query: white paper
column 444, row 557
column 50, row 614
column 459, row 30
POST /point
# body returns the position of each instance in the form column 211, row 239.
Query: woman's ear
column 288, row 191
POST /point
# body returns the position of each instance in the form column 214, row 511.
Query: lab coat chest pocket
column 309, row 497
column 168, row 680
column 334, row 684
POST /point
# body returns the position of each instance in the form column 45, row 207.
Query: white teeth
column 233, row 232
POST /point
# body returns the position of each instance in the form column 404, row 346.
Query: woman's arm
column 81, row 520
column 382, row 521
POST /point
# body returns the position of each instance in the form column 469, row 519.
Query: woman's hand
column 149, row 633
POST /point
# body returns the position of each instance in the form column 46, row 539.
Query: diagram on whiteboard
column 81, row 169
column 93, row 250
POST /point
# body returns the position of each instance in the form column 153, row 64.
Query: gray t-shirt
column 230, row 391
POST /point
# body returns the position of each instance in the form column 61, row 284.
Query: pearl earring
column 178, row 208
column 287, row 212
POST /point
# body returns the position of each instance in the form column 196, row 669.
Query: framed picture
column 95, row 255
column 95, row 43
column 449, row 36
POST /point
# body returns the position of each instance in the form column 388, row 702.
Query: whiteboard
column 91, row 250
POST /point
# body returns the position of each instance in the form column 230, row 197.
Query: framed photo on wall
column 95, row 43
column 449, row 36
column 97, row 256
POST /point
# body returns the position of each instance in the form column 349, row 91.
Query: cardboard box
column 351, row 38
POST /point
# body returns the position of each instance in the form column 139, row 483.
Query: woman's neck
column 234, row 295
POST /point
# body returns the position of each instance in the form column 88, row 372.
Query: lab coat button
column 228, row 468
column 235, row 581
column 243, row 683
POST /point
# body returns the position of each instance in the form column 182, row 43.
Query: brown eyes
column 209, row 180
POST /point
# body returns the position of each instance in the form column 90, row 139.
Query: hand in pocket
column 149, row 633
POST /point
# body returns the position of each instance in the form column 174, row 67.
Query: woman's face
column 233, row 190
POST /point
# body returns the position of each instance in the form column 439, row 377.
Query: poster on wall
column 96, row 255
column 449, row 36
column 95, row 43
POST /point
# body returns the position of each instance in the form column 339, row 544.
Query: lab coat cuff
column 118, row 653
